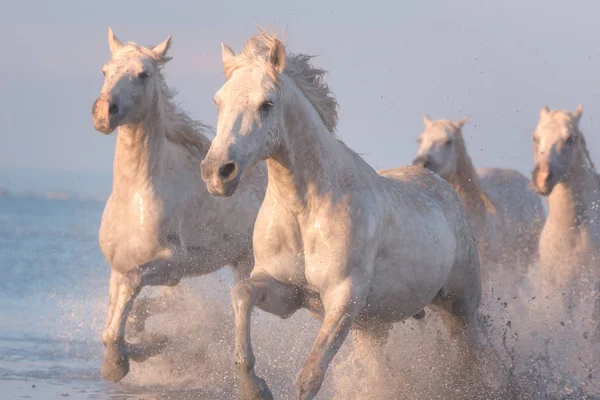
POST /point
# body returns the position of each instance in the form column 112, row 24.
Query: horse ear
column 162, row 49
column 577, row 113
column 226, row 53
column 461, row 121
column 113, row 43
column 426, row 121
column 277, row 56
column 544, row 111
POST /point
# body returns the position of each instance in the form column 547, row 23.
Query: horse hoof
column 115, row 366
column 256, row 389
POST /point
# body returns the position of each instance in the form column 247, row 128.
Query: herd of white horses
column 305, row 222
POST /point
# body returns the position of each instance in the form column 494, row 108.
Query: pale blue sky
column 389, row 62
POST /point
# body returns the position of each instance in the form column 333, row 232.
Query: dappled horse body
column 505, row 214
column 160, row 224
column 569, row 245
column 357, row 248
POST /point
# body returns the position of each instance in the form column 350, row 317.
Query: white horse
column 357, row 248
column 505, row 214
column 160, row 224
column 564, row 171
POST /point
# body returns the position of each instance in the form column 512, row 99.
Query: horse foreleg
column 123, row 290
column 272, row 296
column 341, row 304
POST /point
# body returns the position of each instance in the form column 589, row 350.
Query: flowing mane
column 586, row 154
column 584, row 149
column 180, row 128
column 308, row 78
column 466, row 178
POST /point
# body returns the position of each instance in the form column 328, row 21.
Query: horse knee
column 109, row 338
column 242, row 292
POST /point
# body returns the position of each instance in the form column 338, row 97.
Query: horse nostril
column 226, row 171
column 113, row 109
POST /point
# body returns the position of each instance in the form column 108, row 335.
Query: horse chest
column 130, row 233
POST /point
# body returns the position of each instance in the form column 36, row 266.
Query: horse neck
column 569, row 203
column 309, row 157
column 467, row 184
column 139, row 153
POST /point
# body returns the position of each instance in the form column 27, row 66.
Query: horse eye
column 570, row 140
column 448, row 143
column 142, row 75
column 265, row 106
column 103, row 72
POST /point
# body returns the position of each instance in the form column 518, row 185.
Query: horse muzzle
column 221, row 179
column 106, row 115
column 423, row 162
column 543, row 180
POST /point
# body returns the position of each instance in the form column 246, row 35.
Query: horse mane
column 308, row 78
column 464, row 164
column 587, row 156
column 584, row 149
column 180, row 129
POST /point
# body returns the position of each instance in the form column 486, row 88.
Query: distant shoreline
column 57, row 195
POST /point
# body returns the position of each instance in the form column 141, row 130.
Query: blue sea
column 52, row 271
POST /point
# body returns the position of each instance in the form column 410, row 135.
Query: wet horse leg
column 123, row 290
column 341, row 304
column 271, row 296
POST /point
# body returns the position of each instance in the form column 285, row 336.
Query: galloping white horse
column 505, row 215
column 159, row 224
column 357, row 248
column 570, row 241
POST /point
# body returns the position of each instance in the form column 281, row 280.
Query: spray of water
column 533, row 348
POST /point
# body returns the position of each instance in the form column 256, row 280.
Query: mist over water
column 53, row 308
